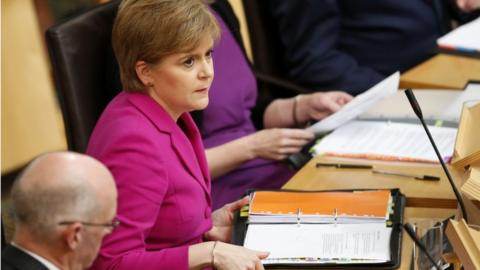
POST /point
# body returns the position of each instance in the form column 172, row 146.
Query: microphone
column 418, row 112
column 410, row 231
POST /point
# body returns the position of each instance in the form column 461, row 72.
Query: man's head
column 63, row 204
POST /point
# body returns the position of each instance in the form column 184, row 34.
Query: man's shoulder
column 14, row 258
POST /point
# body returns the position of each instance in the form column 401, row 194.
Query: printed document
column 436, row 104
column 321, row 243
column 358, row 105
column 387, row 141
column 463, row 38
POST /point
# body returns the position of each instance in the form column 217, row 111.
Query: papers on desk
column 464, row 38
column 358, row 105
column 443, row 105
column 326, row 243
column 387, row 141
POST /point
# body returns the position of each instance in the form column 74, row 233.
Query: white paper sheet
column 436, row 104
column 328, row 241
column 358, row 105
column 465, row 37
column 384, row 140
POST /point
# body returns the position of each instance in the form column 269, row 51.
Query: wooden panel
column 237, row 6
column 31, row 119
column 442, row 71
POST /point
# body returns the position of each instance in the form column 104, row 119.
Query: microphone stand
column 418, row 112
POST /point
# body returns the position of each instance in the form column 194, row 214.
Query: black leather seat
column 267, row 50
column 85, row 69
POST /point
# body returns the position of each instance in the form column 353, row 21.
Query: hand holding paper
column 358, row 105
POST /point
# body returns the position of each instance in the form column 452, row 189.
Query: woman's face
column 181, row 81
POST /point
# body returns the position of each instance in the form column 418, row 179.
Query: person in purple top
column 241, row 157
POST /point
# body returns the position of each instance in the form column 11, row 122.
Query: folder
column 385, row 211
column 320, row 207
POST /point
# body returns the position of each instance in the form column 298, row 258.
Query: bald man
column 64, row 204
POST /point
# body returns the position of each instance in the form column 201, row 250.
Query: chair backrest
column 85, row 69
column 267, row 48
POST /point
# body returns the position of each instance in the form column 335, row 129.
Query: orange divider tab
column 351, row 203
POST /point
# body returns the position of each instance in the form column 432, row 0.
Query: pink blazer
column 161, row 172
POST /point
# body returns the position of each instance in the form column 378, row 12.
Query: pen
column 344, row 166
column 416, row 176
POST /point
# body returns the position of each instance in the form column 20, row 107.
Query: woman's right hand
column 278, row 143
column 227, row 256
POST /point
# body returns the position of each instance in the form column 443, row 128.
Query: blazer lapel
column 196, row 145
column 186, row 143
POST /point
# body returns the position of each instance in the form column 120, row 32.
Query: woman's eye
column 189, row 62
column 209, row 54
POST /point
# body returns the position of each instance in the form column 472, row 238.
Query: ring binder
column 335, row 215
column 395, row 219
column 298, row 217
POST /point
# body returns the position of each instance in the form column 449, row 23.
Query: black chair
column 267, row 51
column 85, row 69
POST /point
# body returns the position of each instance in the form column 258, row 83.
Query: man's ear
column 143, row 72
column 73, row 235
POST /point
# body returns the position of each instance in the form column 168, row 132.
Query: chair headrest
column 85, row 69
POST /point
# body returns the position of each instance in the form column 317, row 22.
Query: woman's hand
column 468, row 5
column 227, row 256
column 319, row 105
column 223, row 221
column 278, row 143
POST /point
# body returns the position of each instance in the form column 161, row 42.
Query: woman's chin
column 201, row 104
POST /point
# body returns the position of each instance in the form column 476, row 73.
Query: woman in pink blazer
column 148, row 140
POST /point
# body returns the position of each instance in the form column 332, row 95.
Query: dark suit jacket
column 351, row 45
column 14, row 258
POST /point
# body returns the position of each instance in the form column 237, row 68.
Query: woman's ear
column 143, row 72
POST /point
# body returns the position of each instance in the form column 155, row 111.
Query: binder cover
column 241, row 226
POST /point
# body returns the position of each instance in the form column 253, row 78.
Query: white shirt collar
column 39, row 258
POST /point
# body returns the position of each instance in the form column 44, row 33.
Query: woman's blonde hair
column 151, row 29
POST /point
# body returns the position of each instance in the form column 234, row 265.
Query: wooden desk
column 442, row 71
column 433, row 194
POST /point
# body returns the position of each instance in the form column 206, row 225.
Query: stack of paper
column 387, row 141
column 327, row 243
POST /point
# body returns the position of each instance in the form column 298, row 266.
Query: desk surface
column 443, row 71
column 436, row 194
